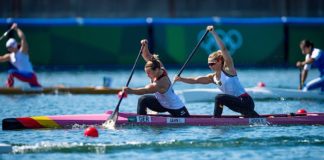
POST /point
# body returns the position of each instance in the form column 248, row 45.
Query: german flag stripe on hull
column 46, row 122
column 29, row 123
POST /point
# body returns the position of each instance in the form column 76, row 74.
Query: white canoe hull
column 258, row 93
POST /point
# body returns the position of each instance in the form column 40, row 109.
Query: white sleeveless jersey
column 318, row 56
column 315, row 54
column 21, row 61
column 169, row 99
column 230, row 85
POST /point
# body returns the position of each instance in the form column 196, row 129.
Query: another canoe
column 59, row 90
column 259, row 93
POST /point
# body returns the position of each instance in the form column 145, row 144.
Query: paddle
column 5, row 34
column 111, row 121
column 191, row 54
column 300, row 79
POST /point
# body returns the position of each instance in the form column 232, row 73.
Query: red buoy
column 91, row 132
column 261, row 84
column 301, row 111
column 120, row 94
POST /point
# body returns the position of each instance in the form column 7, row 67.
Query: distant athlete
column 315, row 58
column 19, row 58
column 164, row 98
column 225, row 77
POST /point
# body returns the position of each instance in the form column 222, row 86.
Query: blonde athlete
column 225, row 77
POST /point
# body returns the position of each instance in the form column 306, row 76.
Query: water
column 142, row 142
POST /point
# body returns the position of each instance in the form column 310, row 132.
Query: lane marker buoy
column 301, row 111
column 91, row 132
column 261, row 84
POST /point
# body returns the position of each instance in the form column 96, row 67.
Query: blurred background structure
column 107, row 32
column 160, row 8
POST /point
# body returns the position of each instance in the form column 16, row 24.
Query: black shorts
column 242, row 104
column 150, row 101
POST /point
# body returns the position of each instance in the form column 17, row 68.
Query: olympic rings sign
column 233, row 40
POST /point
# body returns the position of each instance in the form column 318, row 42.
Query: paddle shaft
column 114, row 115
column 5, row 34
column 192, row 53
column 300, row 78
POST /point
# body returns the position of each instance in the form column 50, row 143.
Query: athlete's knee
column 143, row 103
column 218, row 108
column 34, row 83
column 219, row 98
column 143, row 100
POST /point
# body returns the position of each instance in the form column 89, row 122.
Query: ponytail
column 154, row 63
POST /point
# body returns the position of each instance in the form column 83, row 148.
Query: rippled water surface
column 142, row 142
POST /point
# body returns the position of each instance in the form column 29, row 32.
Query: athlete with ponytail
column 225, row 77
column 159, row 95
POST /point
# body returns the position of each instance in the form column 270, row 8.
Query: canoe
column 59, row 90
column 69, row 121
column 258, row 93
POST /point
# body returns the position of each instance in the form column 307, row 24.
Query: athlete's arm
column 23, row 42
column 303, row 63
column 227, row 57
column 303, row 77
column 5, row 58
column 146, row 54
column 151, row 88
column 304, row 70
column 196, row 80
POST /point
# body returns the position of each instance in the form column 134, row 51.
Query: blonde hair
column 154, row 63
column 216, row 55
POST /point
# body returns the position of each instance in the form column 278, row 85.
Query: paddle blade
column 110, row 123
